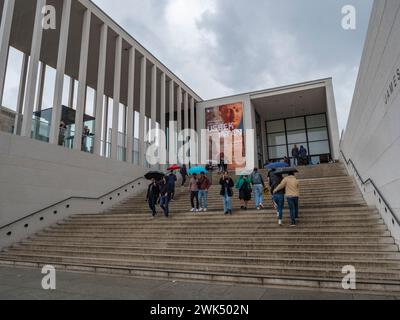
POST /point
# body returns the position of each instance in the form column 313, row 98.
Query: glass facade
column 308, row 131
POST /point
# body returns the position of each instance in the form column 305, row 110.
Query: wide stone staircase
column 336, row 229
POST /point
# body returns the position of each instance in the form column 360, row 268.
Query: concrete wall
column 372, row 136
column 34, row 175
column 7, row 119
column 332, row 119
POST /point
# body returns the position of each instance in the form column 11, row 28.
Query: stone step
column 378, row 231
column 303, row 262
column 223, row 246
column 286, row 254
column 326, row 270
column 260, row 221
column 309, row 212
column 264, row 239
column 238, row 222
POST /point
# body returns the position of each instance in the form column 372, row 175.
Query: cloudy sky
column 222, row 47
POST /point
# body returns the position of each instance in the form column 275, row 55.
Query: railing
column 376, row 190
column 69, row 199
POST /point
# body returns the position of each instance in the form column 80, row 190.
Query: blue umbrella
column 197, row 170
column 276, row 165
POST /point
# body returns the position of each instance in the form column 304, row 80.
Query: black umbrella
column 286, row 170
column 154, row 175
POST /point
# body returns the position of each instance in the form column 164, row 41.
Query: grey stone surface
column 25, row 284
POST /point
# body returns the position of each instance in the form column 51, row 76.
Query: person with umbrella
column 291, row 186
column 164, row 202
column 278, row 198
column 227, row 184
column 194, row 192
column 243, row 184
column 171, row 180
column 153, row 193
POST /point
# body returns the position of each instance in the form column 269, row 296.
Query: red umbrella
column 174, row 167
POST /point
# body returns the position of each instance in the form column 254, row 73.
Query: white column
column 59, row 82
column 101, row 75
column 130, row 107
column 21, row 93
column 80, row 106
column 186, row 110
column 42, row 79
column 33, row 70
column 116, row 98
column 71, row 93
column 172, row 125
column 5, row 31
column 193, row 150
column 104, row 132
column 179, row 110
column 153, row 119
column 192, row 114
column 163, row 116
column 142, row 114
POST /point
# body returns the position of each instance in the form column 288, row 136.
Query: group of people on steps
column 163, row 192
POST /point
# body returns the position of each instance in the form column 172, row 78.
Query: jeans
column 164, row 205
column 152, row 205
column 183, row 180
column 203, row 199
column 227, row 203
column 258, row 194
column 194, row 195
column 279, row 199
column 295, row 161
column 294, row 208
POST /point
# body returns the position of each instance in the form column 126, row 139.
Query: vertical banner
column 225, row 133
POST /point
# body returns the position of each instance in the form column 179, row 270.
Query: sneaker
column 226, row 212
column 193, row 210
column 197, row 210
column 277, row 214
column 205, row 210
column 200, row 210
column 280, row 222
column 261, row 206
column 258, row 208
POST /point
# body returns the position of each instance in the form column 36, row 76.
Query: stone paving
column 25, row 284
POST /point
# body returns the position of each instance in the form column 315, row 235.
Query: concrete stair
column 335, row 229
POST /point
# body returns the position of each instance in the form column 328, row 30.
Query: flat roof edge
column 275, row 89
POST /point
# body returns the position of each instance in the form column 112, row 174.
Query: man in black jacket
column 164, row 200
column 153, row 193
column 227, row 184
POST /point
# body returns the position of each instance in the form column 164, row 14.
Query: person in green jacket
column 243, row 184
